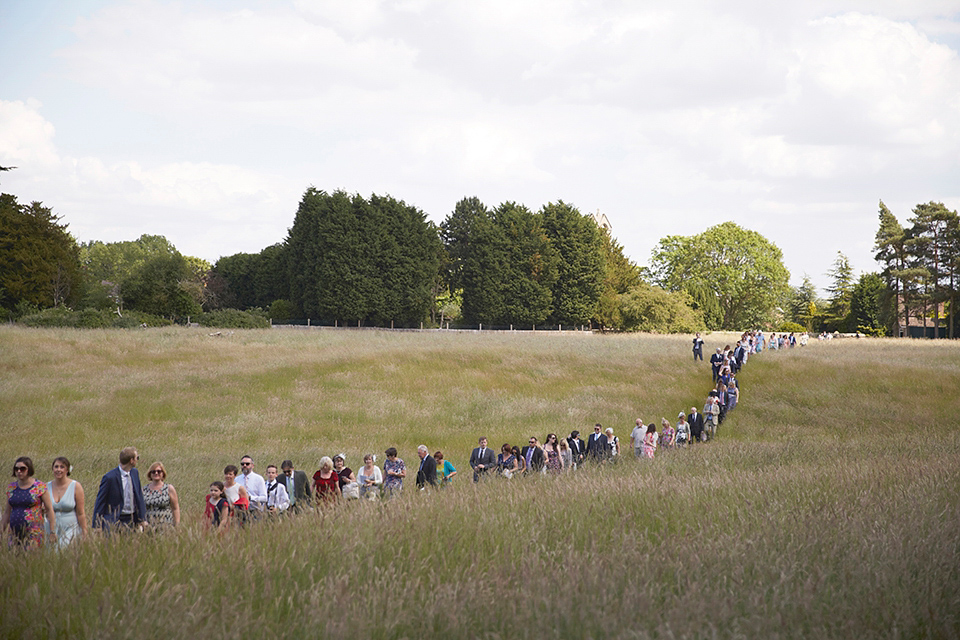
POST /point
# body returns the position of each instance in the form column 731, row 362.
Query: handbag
column 351, row 491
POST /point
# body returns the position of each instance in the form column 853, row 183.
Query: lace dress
column 159, row 511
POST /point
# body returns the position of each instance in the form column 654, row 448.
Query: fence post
column 308, row 322
column 559, row 327
column 481, row 326
column 391, row 324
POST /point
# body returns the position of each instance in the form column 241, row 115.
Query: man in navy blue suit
column 120, row 498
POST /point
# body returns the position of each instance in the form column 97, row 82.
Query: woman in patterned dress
column 163, row 506
column 394, row 471
column 27, row 502
column 552, row 451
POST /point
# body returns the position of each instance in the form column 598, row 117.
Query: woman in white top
column 370, row 478
column 68, row 504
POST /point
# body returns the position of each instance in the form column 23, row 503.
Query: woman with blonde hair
column 666, row 433
column 163, row 506
column 613, row 445
column 326, row 482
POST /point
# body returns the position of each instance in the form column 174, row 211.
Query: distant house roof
column 601, row 220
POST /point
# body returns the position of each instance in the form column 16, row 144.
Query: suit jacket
column 597, row 445
column 577, row 448
column 106, row 510
column 427, row 472
column 537, row 459
column 302, row 492
column 696, row 423
column 488, row 460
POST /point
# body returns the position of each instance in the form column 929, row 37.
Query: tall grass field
column 828, row 506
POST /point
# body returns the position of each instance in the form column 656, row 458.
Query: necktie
column 293, row 499
column 127, row 494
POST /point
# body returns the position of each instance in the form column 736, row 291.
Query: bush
column 233, row 319
column 53, row 317
column 92, row 319
column 281, row 311
column 648, row 308
column 792, row 327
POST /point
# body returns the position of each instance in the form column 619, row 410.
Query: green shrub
column 233, row 319
column 792, row 327
column 92, row 319
column 281, row 310
column 52, row 317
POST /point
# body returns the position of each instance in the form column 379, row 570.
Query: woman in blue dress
column 68, row 504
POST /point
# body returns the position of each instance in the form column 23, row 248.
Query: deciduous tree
column 735, row 276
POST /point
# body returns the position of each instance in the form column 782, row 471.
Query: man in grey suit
column 482, row 459
column 298, row 489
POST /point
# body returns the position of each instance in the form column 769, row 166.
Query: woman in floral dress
column 28, row 500
column 552, row 451
column 394, row 471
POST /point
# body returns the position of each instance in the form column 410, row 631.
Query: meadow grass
column 828, row 506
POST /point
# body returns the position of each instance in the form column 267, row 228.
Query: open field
column 828, row 507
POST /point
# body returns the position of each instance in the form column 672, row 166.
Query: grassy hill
column 828, row 506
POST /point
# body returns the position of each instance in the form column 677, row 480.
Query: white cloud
column 25, row 137
column 669, row 117
column 123, row 200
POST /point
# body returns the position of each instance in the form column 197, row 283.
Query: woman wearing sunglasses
column 28, row 500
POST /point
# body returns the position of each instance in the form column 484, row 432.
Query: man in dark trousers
column 577, row 447
column 427, row 473
column 597, row 444
column 698, row 348
column 696, row 425
column 716, row 361
column 482, row 459
column 120, row 497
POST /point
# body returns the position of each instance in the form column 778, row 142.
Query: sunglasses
column 19, row 469
column 245, row 464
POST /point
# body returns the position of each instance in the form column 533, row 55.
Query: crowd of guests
column 37, row 511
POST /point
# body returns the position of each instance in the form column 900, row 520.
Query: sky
column 205, row 121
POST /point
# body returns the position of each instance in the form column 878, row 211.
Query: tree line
column 379, row 261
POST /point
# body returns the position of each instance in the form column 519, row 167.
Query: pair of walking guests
column 122, row 502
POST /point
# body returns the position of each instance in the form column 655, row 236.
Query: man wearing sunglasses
column 254, row 484
column 120, row 497
column 596, row 444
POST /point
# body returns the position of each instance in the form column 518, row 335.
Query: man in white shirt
column 277, row 499
column 253, row 483
column 636, row 437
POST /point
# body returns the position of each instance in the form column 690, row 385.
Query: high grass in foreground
column 828, row 506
